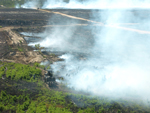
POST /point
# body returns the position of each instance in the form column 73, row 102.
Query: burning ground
column 72, row 36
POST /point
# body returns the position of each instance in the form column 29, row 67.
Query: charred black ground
column 35, row 17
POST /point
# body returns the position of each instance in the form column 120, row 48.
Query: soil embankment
column 14, row 48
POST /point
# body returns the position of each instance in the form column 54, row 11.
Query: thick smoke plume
column 87, row 4
column 118, row 60
column 96, row 4
column 33, row 4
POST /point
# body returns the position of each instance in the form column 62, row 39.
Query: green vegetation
column 44, row 103
column 36, row 64
column 49, row 67
column 10, row 102
column 17, row 71
column 0, row 26
column 50, row 101
column 53, row 55
column 11, row 3
column 20, row 49
column 38, row 47
column 39, row 99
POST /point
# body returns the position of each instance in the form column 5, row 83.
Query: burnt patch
column 19, row 87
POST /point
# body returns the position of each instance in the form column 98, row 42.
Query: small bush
column 3, row 94
column 52, row 109
column 101, row 110
column 20, row 49
column 41, row 108
column 36, row 64
column 32, row 107
column 53, row 55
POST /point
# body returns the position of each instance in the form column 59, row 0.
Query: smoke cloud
column 98, row 4
column 87, row 4
column 116, row 60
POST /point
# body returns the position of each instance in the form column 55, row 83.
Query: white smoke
column 88, row 4
column 119, row 64
column 97, row 4
column 30, row 4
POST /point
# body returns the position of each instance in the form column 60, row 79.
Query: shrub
column 25, row 105
column 32, row 107
column 52, row 109
column 19, row 109
column 1, row 108
column 101, row 110
column 36, row 64
column 41, row 108
column 3, row 94
column 20, row 71
column 37, row 46
column 2, row 71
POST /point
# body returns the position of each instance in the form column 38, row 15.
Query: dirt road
column 97, row 23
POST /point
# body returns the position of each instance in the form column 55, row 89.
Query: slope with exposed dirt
column 14, row 48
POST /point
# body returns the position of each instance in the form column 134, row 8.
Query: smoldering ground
column 118, row 62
